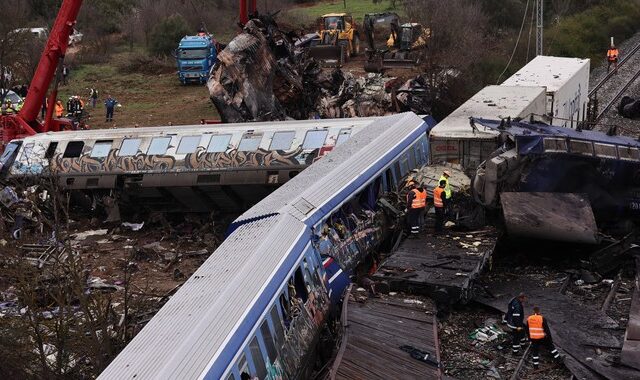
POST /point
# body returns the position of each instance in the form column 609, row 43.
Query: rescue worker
column 447, row 188
column 59, row 110
column 515, row 321
column 540, row 335
column 438, row 203
column 612, row 58
column 110, row 104
column 416, row 204
column 8, row 108
column 93, row 95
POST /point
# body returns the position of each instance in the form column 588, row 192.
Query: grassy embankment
column 147, row 99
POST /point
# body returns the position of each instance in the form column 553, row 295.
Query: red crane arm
column 54, row 50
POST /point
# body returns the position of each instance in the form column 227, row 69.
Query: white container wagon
column 454, row 140
column 567, row 84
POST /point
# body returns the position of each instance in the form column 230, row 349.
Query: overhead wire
column 513, row 53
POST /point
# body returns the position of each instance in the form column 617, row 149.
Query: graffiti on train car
column 234, row 158
column 303, row 319
column 348, row 240
column 111, row 163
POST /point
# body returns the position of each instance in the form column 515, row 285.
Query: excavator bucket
column 374, row 63
column 564, row 217
column 328, row 55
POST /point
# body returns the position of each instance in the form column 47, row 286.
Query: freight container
column 455, row 140
column 567, row 83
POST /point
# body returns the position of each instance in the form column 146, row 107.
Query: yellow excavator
column 338, row 39
column 405, row 46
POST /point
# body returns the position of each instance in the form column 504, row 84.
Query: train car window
column 396, row 171
column 404, row 164
column 284, row 308
column 282, row 140
column 188, row 144
column 101, row 148
column 231, row 377
column 258, row 361
column 219, row 143
column 249, row 142
column 412, row 159
column 129, row 147
column 277, row 324
column 343, row 136
column 269, row 343
column 314, row 139
column 390, row 183
column 51, row 150
column 159, row 145
column 242, row 365
column 73, row 149
column 301, row 288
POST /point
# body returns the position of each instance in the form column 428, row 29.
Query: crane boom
column 26, row 122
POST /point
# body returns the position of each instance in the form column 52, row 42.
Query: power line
column 513, row 53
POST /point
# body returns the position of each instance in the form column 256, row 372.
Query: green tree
column 167, row 33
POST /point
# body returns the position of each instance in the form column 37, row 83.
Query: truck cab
column 195, row 56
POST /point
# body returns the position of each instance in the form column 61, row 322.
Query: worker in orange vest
column 439, row 195
column 540, row 335
column 612, row 58
column 416, row 205
column 59, row 109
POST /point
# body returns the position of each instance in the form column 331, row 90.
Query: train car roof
column 554, row 72
column 492, row 102
column 287, row 125
column 205, row 323
column 314, row 190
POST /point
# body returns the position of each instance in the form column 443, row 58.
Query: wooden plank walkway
column 374, row 331
column 443, row 267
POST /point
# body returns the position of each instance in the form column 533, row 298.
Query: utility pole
column 539, row 26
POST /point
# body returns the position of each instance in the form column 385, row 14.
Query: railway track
column 596, row 114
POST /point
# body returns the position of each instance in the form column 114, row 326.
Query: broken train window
column 282, row 140
column 159, row 145
column 73, row 149
column 129, row 147
column 314, row 139
column 219, row 143
column 256, row 356
column 101, row 148
column 188, row 144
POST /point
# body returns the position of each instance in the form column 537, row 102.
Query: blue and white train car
column 255, row 309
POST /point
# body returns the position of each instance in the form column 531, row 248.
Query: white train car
column 567, row 84
column 454, row 140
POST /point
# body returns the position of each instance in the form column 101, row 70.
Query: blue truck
column 195, row 56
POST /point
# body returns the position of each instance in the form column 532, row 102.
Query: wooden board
column 373, row 334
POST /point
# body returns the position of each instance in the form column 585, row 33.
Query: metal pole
column 539, row 26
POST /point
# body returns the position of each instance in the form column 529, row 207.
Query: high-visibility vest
column 437, row 197
column 419, row 199
column 447, row 188
column 536, row 330
column 612, row 54
column 59, row 110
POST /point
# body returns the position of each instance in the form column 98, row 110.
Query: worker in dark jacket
column 416, row 204
column 110, row 105
column 540, row 335
column 515, row 321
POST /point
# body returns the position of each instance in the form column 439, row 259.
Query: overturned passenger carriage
column 257, row 306
column 193, row 168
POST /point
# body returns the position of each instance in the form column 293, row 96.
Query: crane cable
column 513, row 53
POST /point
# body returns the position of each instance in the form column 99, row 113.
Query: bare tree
column 14, row 15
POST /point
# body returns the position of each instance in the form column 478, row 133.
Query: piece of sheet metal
column 552, row 216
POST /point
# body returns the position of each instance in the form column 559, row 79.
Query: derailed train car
column 257, row 306
column 193, row 168
column 559, row 183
